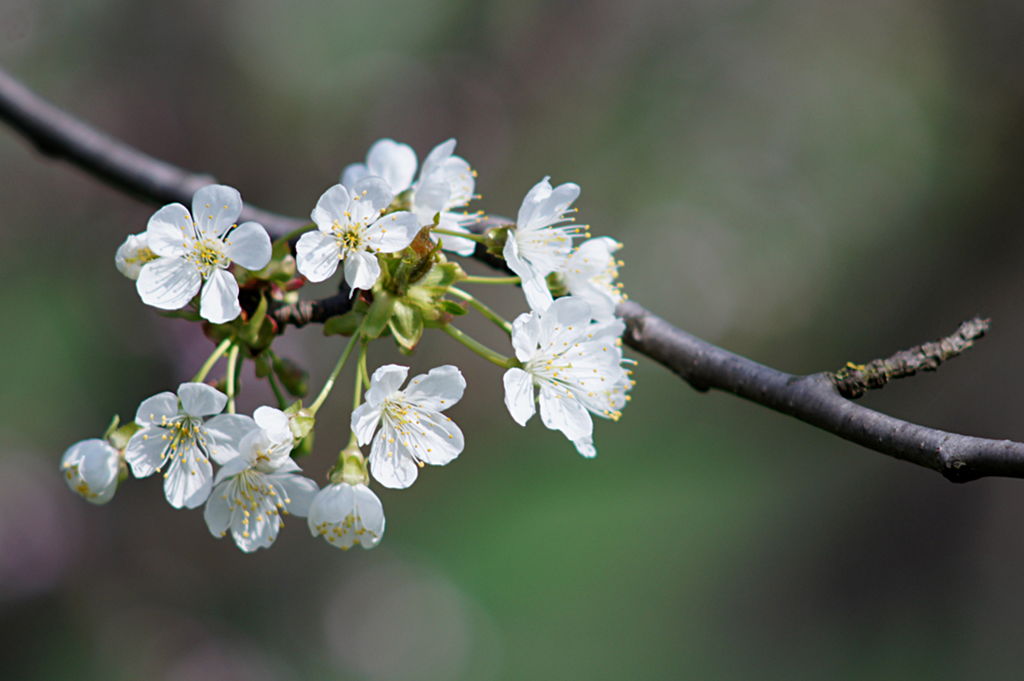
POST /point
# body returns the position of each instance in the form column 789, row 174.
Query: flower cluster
column 387, row 225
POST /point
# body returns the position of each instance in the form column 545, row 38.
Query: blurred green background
column 803, row 182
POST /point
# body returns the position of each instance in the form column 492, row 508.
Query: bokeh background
column 803, row 182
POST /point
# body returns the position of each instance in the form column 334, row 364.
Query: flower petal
column 317, row 255
column 249, row 246
column 217, row 513
column 437, row 157
column 330, row 208
column 225, row 433
column 219, row 300
column 215, row 207
column 519, row 395
column 385, row 381
column 538, row 295
column 388, row 465
column 585, row 446
column 168, row 283
column 353, row 173
column 559, row 410
column 393, row 232
column 364, row 421
column 371, row 516
column 300, row 493
column 370, row 196
column 394, row 162
column 274, row 422
column 144, row 452
column 169, row 229
column 199, row 399
column 438, row 389
column 188, row 479
column 361, row 270
column 156, row 410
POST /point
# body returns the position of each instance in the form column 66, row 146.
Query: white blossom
column 91, row 469
column 575, row 365
column 177, row 438
column 194, row 251
column 132, row 254
column 347, row 514
column 350, row 228
column 446, row 183
column 542, row 239
column 258, row 485
column 590, row 272
column 413, row 431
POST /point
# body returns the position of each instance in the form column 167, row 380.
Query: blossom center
column 207, row 255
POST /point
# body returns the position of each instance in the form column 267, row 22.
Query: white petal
column 559, row 410
column 189, row 478
column 531, row 203
column 168, row 283
column 438, row 389
column 353, row 173
column 217, row 513
column 361, row 270
column 169, row 229
column 157, row 409
column 144, row 452
column 437, row 156
column 132, row 254
column 393, row 232
column 394, row 162
column 274, row 422
column 199, row 399
column 385, row 381
column 364, row 421
column 387, row 464
column 330, row 505
column 526, row 336
column 219, row 300
column 225, row 434
column 434, row 439
column 371, row 515
column 519, row 395
column 431, row 198
column 231, row 467
column 317, row 255
column 370, row 196
column 249, row 246
column 538, row 295
column 301, row 492
column 215, row 208
column 585, row 446
column 330, row 208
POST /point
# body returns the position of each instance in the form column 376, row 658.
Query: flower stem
column 462, row 235
column 231, row 377
column 278, row 395
column 357, row 398
column 479, row 348
column 211, row 360
column 329, row 384
column 491, row 280
column 483, row 309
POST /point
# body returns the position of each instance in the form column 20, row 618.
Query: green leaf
column 344, row 324
column 406, row 325
column 378, row 315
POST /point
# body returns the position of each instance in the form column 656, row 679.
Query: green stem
column 491, row 280
column 231, row 378
column 462, row 235
column 479, row 348
column 211, row 360
column 329, row 385
column 483, row 309
column 278, row 395
column 357, row 398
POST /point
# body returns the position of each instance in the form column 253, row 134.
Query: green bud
column 351, row 466
column 300, row 420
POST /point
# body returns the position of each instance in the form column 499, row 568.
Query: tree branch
column 814, row 399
